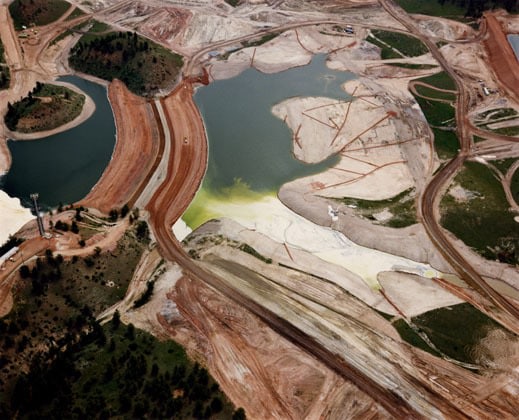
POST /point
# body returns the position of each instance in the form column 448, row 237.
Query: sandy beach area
column 12, row 216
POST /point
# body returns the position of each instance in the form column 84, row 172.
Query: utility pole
column 38, row 216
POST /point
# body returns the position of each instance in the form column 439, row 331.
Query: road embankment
column 502, row 57
column 136, row 148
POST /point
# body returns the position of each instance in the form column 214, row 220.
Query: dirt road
column 431, row 196
column 187, row 165
column 502, row 57
column 137, row 149
column 8, row 277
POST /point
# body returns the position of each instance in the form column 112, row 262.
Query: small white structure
column 334, row 214
column 8, row 255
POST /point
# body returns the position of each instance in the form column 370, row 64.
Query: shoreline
column 89, row 108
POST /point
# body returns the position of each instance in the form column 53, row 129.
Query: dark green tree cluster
column 142, row 65
column 113, row 371
column 36, row 12
column 45, row 271
column 18, row 110
column 12, row 241
column 4, row 69
column 64, row 106
column 146, row 295
column 475, row 8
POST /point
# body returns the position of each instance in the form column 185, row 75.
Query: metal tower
column 38, row 216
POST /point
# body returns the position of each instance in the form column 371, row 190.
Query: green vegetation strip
column 250, row 250
column 411, row 336
column 503, row 164
column 431, row 7
column 497, row 114
column 264, row 39
column 446, row 143
column 439, row 114
column 456, row 330
column 440, row 80
column 36, row 12
column 402, row 206
column 77, row 12
column 514, row 186
column 142, row 65
column 5, row 75
column 385, row 52
column 483, row 222
column 407, row 45
column 413, row 66
column 456, row 8
column 508, row 131
column 46, row 107
column 435, row 94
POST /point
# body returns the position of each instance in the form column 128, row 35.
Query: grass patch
column 46, row 107
column 503, row 164
column 264, row 39
column 384, row 315
column 483, row 222
column 456, row 330
column 413, row 66
column 406, row 44
column 514, row 185
column 5, row 75
column 402, row 206
column 142, row 65
column 77, row 12
column 440, row 80
column 455, row 8
column 435, row 94
column 446, row 143
column 439, row 114
column 508, row 131
column 497, row 114
column 411, row 337
column 233, row 3
column 36, row 12
column 431, row 7
column 250, row 250
column 385, row 51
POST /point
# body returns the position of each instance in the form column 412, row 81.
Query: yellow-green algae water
column 212, row 204
column 250, row 150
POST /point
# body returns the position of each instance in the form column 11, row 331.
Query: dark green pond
column 64, row 167
column 246, row 141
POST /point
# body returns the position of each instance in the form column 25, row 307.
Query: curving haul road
column 186, row 168
column 185, row 171
column 434, row 190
